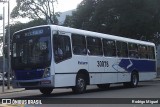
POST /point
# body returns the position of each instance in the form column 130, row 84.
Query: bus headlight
column 47, row 73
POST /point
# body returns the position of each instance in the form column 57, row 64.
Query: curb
column 12, row 91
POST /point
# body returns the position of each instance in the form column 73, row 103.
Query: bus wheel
column 134, row 81
column 46, row 91
column 103, row 86
column 80, row 85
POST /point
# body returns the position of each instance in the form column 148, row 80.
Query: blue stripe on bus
column 139, row 65
column 28, row 74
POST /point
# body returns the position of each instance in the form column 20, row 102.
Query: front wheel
column 46, row 91
column 80, row 84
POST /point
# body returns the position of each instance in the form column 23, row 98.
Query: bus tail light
column 47, row 73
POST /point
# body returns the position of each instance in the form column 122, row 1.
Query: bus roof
column 93, row 34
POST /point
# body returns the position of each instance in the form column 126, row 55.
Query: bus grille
column 29, row 74
column 29, row 83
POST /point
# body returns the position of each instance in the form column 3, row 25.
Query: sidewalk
column 11, row 90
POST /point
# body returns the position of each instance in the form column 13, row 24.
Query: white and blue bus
column 50, row 56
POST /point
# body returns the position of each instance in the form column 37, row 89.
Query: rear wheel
column 80, row 84
column 46, row 91
column 103, row 86
column 134, row 81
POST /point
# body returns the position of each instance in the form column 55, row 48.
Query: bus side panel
column 65, row 80
column 66, row 71
column 123, row 74
column 110, row 72
column 124, row 77
column 95, row 69
column 147, row 76
column 143, row 67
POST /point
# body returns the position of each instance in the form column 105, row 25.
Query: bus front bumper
column 35, row 84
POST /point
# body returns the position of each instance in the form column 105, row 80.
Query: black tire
column 80, row 84
column 103, row 86
column 46, row 91
column 134, row 81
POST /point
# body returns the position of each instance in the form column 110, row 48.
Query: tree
column 137, row 19
column 35, row 9
column 19, row 26
column 83, row 14
column 68, row 21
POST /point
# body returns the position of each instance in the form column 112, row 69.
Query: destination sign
column 34, row 32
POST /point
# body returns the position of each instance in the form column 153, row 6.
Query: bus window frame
column 70, row 44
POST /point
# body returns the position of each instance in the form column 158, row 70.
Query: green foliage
column 36, row 9
column 19, row 26
column 68, row 21
column 138, row 19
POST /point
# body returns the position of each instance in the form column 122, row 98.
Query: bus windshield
column 31, row 52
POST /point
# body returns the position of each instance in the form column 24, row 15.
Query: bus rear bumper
column 34, row 84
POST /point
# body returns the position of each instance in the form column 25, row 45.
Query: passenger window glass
column 94, row 46
column 62, row 48
column 79, row 44
column 122, row 50
column 109, row 47
column 133, row 50
column 143, row 51
column 151, row 52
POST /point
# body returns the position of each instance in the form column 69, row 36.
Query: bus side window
column 122, row 50
column 133, row 50
column 151, row 52
column 62, row 48
column 143, row 51
column 94, row 46
column 109, row 47
column 79, row 44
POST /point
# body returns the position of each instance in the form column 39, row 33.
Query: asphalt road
column 144, row 90
column 149, row 89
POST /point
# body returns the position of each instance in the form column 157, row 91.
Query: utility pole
column 4, row 62
column 9, row 41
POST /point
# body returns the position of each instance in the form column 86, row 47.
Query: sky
column 62, row 6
